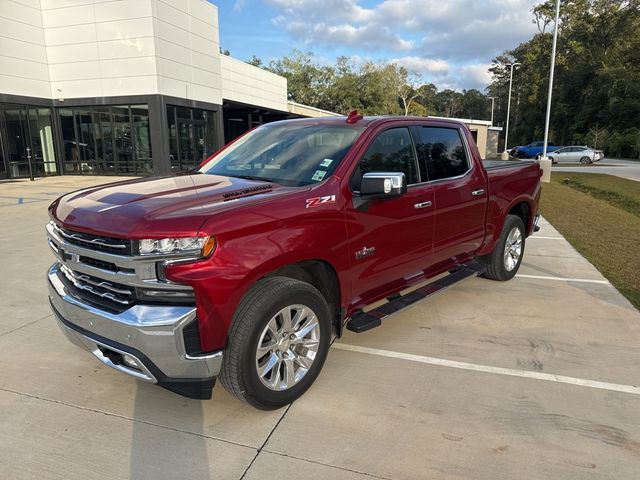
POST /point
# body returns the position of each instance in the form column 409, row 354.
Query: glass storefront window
column 27, row 141
column 192, row 136
column 107, row 140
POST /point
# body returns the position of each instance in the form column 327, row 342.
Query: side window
column 391, row 151
column 443, row 152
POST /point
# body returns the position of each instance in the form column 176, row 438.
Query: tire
column 498, row 266
column 553, row 162
column 538, row 157
column 259, row 317
column 585, row 160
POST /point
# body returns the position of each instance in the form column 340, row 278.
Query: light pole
column 493, row 102
column 506, row 134
column 545, row 163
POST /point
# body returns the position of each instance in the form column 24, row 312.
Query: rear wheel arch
column 522, row 210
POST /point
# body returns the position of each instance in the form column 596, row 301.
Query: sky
column 448, row 42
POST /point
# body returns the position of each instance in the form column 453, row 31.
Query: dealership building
column 123, row 87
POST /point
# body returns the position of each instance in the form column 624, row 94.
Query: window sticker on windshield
column 272, row 167
column 319, row 175
column 326, row 162
column 257, row 165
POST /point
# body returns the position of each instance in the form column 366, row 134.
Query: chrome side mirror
column 381, row 185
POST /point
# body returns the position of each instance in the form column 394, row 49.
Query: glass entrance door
column 3, row 165
column 27, row 141
column 192, row 136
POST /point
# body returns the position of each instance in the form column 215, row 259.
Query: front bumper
column 145, row 341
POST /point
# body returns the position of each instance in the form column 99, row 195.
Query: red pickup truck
column 245, row 269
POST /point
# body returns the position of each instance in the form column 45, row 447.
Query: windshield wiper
column 252, row 177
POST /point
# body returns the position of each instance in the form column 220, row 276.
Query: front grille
column 119, row 246
column 103, row 272
column 111, row 267
column 111, row 295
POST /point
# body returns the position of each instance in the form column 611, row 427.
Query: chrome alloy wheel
column 512, row 249
column 287, row 347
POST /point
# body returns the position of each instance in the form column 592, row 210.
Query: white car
column 575, row 154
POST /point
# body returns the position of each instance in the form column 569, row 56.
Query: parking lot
column 534, row 378
column 609, row 166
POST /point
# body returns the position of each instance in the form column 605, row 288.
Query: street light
column 506, row 135
column 545, row 163
column 493, row 102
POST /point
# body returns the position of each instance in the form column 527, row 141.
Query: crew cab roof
column 364, row 121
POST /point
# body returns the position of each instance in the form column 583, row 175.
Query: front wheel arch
column 240, row 373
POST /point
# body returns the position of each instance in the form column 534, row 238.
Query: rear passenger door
column 459, row 189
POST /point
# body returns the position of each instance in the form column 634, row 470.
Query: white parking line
column 545, row 238
column 549, row 377
column 563, row 279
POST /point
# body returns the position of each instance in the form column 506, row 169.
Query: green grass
column 600, row 216
column 619, row 192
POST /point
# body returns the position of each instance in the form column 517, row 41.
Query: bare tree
column 408, row 90
column 597, row 134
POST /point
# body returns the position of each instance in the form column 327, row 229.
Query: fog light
column 131, row 362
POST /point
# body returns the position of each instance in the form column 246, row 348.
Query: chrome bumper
column 145, row 341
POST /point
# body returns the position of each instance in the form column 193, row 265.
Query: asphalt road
column 610, row 166
column 535, row 378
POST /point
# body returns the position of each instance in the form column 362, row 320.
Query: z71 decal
column 317, row 201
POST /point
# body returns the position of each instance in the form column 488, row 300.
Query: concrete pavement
column 620, row 168
column 430, row 394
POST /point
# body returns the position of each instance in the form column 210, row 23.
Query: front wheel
column 503, row 263
column 278, row 342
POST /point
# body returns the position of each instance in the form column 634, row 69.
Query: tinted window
column 443, row 152
column 391, row 151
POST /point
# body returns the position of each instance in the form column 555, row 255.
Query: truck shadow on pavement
column 164, row 452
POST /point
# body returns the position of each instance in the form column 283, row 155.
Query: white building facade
column 122, row 87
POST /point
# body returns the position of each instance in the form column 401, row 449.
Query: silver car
column 575, row 154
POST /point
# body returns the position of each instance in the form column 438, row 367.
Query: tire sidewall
column 511, row 222
column 302, row 294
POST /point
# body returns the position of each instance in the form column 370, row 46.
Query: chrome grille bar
column 91, row 239
column 84, row 282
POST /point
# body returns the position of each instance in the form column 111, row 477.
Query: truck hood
column 157, row 207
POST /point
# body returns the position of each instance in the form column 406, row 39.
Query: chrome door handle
column 423, row 205
column 478, row 192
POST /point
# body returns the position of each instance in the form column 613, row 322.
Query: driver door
column 390, row 240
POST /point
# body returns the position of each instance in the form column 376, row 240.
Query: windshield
column 289, row 154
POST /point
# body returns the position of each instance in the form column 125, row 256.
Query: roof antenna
column 354, row 117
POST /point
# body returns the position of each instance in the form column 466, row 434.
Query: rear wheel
column 278, row 343
column 504, row 262
column 585, row 160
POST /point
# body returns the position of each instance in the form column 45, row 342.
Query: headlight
column 196, row 246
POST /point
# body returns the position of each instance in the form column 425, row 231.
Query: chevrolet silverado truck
column 246, row 268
